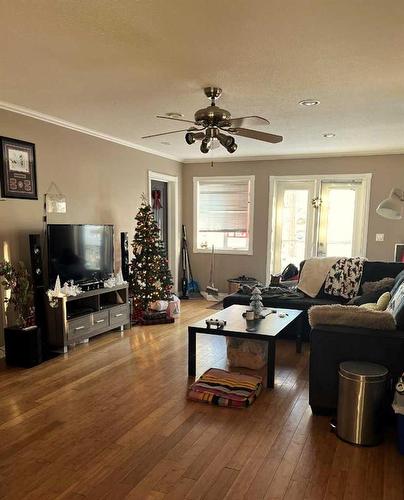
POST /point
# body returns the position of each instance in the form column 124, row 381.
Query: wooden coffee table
column 266, row 330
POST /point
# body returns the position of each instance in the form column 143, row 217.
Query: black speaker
column 36, row 260
column 38, row 282
column 125, row 256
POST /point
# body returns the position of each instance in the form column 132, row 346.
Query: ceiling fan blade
column 166, row 133
column 176, row 119
column 248, row 120
column 256, row 134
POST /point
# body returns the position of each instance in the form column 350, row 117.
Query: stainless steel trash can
column 361, row 397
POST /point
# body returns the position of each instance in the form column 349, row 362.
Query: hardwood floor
column 110, row 420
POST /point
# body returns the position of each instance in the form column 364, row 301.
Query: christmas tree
column 256, row 302
column 151, row 277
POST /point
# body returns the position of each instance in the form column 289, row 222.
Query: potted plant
column 23, row 340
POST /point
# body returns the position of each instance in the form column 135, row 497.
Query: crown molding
column 14, row 108
column 294, row 156
column 31, row 113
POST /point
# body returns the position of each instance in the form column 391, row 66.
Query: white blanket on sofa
column 314, row 273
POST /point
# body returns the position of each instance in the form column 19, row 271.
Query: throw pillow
column 383, row 301
column 375, row 286
column 368, row 297
column 372, row 306
column 396, row 306
column 380, row 305
column 354, row 316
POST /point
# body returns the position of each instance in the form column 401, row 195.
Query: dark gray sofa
column 372, row 271
column 331, row 345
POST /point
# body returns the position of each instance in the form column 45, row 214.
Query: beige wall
column 388, row 171
column 102, row 182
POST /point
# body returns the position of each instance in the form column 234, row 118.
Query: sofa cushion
column 376, row 270
column 375, row 286
column 396, row 306
column 366, row 298
column 337, row 314
column 302, row 304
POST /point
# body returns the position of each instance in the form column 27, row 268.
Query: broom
column 211, row 289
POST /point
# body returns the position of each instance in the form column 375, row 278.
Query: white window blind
column 223, row 217
column 223, row 206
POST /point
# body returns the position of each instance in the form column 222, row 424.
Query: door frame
column 366, row 178
column 173, row 228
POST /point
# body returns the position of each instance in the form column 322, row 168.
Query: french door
column 318, row 216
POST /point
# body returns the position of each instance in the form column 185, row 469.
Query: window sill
column 223, row 252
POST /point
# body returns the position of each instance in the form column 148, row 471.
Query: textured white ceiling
column 111, row 66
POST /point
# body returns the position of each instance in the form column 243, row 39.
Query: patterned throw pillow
column 397, row 282
column 344, row 277
column 396, row 306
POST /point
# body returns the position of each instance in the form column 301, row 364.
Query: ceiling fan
column 214, row 126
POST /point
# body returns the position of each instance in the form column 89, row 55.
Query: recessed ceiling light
column 329, row 135
column 165, row 143
column 175, row 115
column 309, row 102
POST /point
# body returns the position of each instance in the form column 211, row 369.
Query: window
column 223, row 211
column 318, row 216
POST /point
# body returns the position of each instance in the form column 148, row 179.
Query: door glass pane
column 341, row 212
column 293, row 226
column 340, row 219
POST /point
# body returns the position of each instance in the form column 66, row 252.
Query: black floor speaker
column 125, row 255
column 38, row 282
column 36, row 260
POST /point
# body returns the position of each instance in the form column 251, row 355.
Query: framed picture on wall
column 399, row 252
column 17, row 169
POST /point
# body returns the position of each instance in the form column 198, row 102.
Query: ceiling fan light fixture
column 309, row 102
column 205, row 145
column 189, row 138
column 226, row 140
column 232, row 148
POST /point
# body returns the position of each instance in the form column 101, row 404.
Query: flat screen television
column 80, row 252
